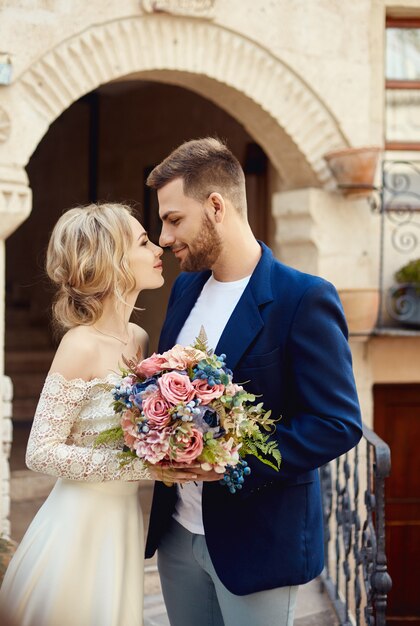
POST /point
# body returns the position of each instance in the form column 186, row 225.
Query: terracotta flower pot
column 354, row 169
column 361, row 308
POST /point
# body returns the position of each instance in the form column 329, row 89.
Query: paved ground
column 313, row 608
column 29, row 490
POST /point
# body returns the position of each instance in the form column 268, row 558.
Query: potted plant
column 361, row 306
column 354, row 169
column 404, row 298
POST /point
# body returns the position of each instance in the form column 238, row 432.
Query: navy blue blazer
column 288, row 337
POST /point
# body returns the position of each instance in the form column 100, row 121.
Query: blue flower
column 211, row 417
column 137, row 399
column 207, row 420
column 140, row 387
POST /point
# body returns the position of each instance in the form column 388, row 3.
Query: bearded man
column 229, row 559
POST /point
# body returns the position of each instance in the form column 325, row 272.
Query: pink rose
column 188, row 445
column 153, row 365
column 154, row 447
column 205, row 392
column 176, row 388
column 180, row 357
column 129, row 429
column 156, row 409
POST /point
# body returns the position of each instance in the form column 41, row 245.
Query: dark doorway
column 397, row 421
column 100, row 149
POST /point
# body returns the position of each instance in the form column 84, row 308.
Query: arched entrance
column 276, row 108
column 261, row 91
column 101, row 149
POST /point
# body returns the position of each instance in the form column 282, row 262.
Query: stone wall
column 6, row 443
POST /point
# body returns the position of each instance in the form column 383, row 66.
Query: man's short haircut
column 205, row 166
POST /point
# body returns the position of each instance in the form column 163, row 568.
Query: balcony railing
column 355, row 574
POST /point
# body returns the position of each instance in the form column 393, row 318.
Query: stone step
column 19, row 361
column 28, row 485
column 23, row 409
column 27, row 385
column 27, row 338
column 18, row 316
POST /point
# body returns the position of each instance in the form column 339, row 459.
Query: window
column 402, row 84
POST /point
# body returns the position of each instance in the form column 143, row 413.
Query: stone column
column 7, row 436
column 320, row 232
column 15, row 206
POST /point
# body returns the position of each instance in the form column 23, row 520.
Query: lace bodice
column 69, row 416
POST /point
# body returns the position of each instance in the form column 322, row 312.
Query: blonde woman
column 81, row 560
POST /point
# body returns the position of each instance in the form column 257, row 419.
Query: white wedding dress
column 80, row 562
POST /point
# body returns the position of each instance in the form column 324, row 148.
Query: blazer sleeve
column 324, row 418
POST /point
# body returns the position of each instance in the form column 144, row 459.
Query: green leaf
column 201, row 342
column 111, row 435
column 126, row 457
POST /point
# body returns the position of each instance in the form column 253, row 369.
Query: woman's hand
column 170, row 474
column 206, row 475
column 181, row 473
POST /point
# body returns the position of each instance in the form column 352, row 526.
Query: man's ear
column 217, row 206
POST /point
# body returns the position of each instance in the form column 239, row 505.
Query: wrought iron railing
column 355, row 574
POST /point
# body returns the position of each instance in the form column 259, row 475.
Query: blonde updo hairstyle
column 87, row 261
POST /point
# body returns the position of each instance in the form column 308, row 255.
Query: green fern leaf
column 201, row 342
column 111, row 435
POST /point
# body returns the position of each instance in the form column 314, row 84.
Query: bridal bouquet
column 182, row 406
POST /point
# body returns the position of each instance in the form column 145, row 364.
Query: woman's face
column 144, row 258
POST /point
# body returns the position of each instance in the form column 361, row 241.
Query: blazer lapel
column 181, row 309
column 246, row 322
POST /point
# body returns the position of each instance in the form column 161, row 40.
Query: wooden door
column 397, row 421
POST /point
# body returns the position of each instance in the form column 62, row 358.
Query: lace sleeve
column 49, row 450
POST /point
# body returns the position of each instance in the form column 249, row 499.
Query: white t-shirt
column 212, row 310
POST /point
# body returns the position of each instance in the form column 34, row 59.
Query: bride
column 81, row 561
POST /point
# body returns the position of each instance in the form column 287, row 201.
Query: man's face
column 187, row 228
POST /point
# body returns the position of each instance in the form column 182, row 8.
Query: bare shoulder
column 76, row 355
column 141, row 338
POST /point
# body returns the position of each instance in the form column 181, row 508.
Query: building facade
column 95, row 94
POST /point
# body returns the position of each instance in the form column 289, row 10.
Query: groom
column 229, row 559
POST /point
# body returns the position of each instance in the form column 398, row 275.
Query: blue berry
column 234, row 477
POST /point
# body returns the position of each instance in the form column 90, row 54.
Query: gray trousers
column 195, row 596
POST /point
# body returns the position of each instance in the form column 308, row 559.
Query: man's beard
column 204, row 250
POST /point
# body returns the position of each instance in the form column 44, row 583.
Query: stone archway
column 271, row 101
column 182, row 48
column 260, row 90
